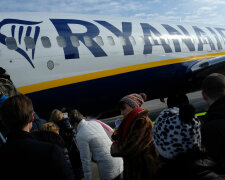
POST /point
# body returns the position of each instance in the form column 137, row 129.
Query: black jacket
column 213, row 131
column 38, row 122
column 23, row 157
column 190, row 166
column 52, row 137
column 72, row 157
column 66, row 132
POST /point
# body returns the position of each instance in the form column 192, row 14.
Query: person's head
column 213, row 87
column 56, row 115
column 176, row 100
column 176, row 132
column 75, row 118
column 17, row 113
column 130, row 102
column 50, row 126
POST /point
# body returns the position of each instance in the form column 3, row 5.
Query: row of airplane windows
column 30, row 44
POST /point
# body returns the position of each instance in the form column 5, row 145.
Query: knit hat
column 173, row 136
column 134, row 100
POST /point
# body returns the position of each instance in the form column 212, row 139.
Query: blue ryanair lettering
column 126, row 32
column 217, row 39
column 172, row 31
column 212, row 46
column 63, row 29
column 187, row 41
column 147, row 31
column 220, row 30
column 200, row 33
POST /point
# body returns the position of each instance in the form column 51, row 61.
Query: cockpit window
column 29, row 42
column 11, row 43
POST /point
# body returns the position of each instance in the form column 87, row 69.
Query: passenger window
column 221, row 40
column 166, row 40
column 192, row 39
column 201, row 40
column 61, row 41
column 111, row 40
column 211, row 37
column 156, row 39
column 75, row 41
column 205, row 40
column 11, row 43
column 99, row 40
column 46, row 41
column 151, row 40
column 29, row 42
column 141, row 38
column 87, row 41
column 196, row 39
column 132, row 40
column 122, row 40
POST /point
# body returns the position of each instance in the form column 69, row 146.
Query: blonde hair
column 50, row 126
column 75, row 117
column 56, row 115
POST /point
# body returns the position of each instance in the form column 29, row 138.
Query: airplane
column 89, row 63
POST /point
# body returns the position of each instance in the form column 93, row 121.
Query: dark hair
column 16, row 112
column 214, row 85
column 177, row 100
column 75, row 117
column 186, row 113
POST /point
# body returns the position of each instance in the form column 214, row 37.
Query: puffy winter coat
column 94, row 144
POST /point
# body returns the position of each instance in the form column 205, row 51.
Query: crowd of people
column 177, row 146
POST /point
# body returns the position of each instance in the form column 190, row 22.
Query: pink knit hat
column 134, row 100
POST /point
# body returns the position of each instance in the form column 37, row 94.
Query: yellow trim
column 110, row 72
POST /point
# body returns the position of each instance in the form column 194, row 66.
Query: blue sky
column 200, row 11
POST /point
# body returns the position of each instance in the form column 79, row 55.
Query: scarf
column 126, row 124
